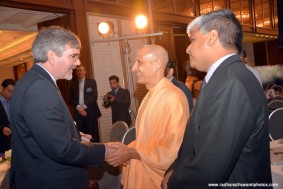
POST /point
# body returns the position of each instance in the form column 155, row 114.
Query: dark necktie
column 114, row 92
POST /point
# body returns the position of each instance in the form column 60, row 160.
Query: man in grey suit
column 226, row 140
column 47, row 151
column 83, row 98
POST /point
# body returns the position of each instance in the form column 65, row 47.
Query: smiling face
column 67, row 62
column 144, row 67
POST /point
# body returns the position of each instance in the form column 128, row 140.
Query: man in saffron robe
column 160, row 124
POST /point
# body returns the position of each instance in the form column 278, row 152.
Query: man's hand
column 6, row 131
column 165, row 179
column 85, row 137
column 112, row 98
column 117, row 153
column 82, row 111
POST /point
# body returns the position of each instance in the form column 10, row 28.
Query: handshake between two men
column 117, row 152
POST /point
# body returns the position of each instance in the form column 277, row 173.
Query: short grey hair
column 53, row 38
column 224, row 21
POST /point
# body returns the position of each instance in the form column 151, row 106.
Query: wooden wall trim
column 81, row 26
column 66, row 4
column 267, row 31
column 171, row 18
column 114, row 9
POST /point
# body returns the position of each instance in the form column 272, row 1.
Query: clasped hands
column 6, row 131
column 117, row 153
column 82, row 111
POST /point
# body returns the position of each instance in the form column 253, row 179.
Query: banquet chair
column 129, row 136
column 117, row 131
column 277, row 98
column 111, row 176
column 276, row 124
column 275, row 104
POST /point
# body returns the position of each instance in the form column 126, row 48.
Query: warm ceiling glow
column 104, row 27
column 141, row 21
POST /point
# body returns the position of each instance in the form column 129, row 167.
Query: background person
column 83, row 97
column 160, row 124
column 226, row 138
column 47, row 149
column 253, row 70
column 169, row 73
column 5, row 96
column 119, row 100
column 193, row 80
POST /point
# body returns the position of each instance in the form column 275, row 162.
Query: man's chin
column 69, row 77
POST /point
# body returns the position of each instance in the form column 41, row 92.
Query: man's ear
column 157, row 65
column 51, row 55
column 212, row 36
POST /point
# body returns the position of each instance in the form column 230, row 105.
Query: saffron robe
column 160, row 126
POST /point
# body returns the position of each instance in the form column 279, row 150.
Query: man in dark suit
column 226, row 139
column 83, row 100
column 5, row 96
column 47, row 149
column 169, row 73
column 119, row 100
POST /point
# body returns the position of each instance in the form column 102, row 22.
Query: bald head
column 155, row 52
column 150, row 64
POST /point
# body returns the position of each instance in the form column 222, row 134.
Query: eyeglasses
column 75, row 57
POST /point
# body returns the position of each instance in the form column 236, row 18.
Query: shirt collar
column 116, row 90
column 2, row 99
column 214, row 66
column 82, row 80
column 53, row 78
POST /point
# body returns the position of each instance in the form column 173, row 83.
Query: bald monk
column 160, row 124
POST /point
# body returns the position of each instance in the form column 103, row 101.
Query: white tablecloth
column 277, row 170
column 4, row 174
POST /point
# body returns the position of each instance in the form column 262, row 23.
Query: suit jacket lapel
column 47, row 76
column 232, row 59
column 2, row 109
column 44, row 74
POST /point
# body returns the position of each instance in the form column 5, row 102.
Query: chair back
column 276, row 124
column 129, row 136
column 277, row 98
column 110, row 177
column 117, row 132
column 275, row 104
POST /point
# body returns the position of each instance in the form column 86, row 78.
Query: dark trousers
column 88, row 125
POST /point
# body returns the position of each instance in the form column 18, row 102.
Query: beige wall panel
column 137, row 91
column 106, row 61
column 110, row 58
